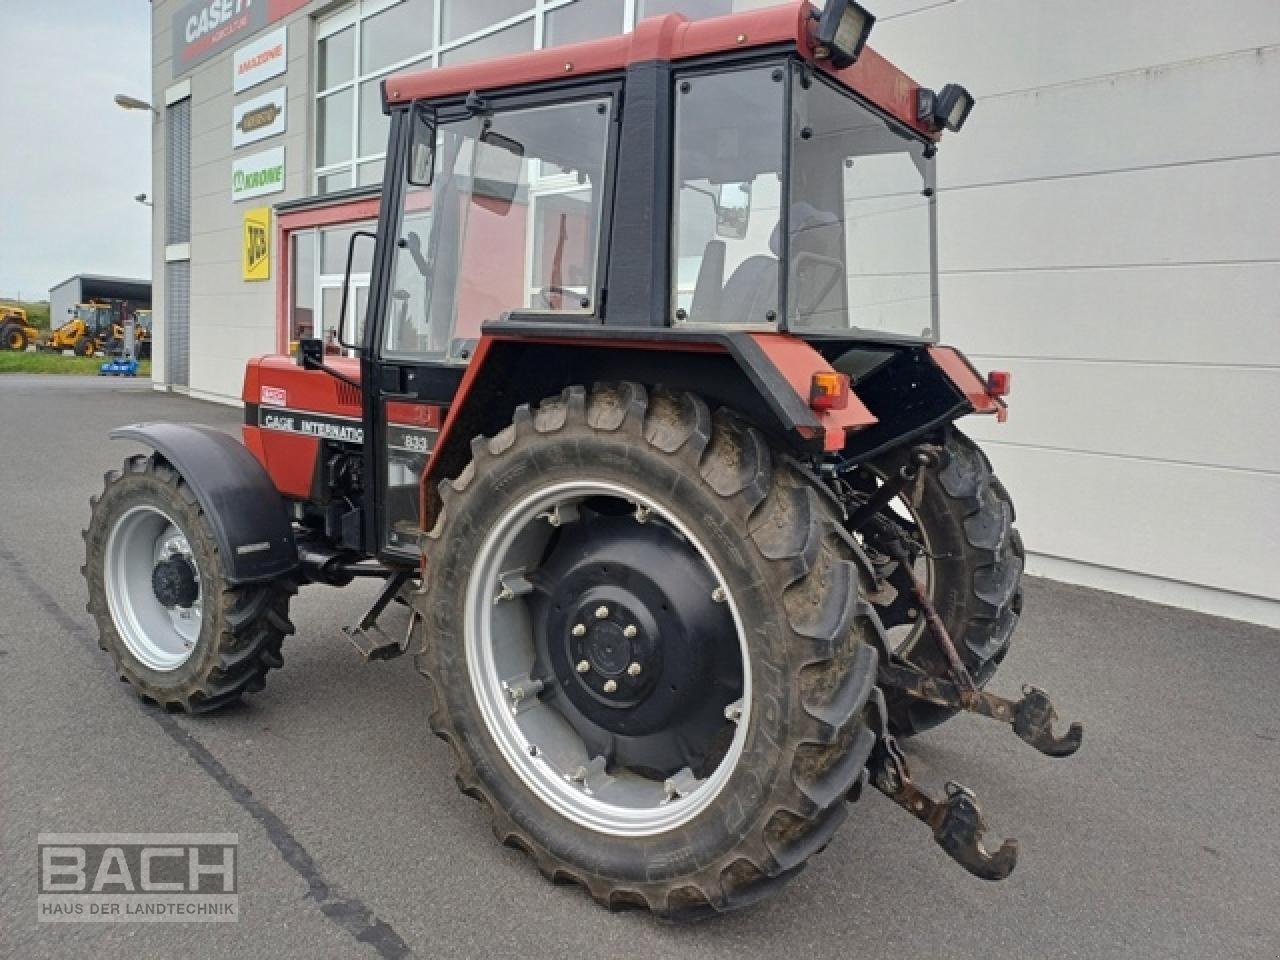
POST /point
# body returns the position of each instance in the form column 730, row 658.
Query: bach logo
column 142, row 877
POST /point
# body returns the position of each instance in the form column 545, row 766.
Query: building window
column 316, row 277
column 302, row 293
column 365, row 41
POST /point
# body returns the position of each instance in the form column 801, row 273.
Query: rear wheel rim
column 533, row 734
column 161, row 637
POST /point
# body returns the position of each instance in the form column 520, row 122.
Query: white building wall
column 1109, row 233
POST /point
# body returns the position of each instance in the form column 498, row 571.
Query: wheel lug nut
column 611, row 686
column 583, row 666
column 602, row 612
column 634, row 670
column 579, row 630
column 630, row 631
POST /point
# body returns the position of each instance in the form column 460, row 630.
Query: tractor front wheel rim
column 527, row 704
column 153, row 588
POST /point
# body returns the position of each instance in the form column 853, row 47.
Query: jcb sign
column 257, row 244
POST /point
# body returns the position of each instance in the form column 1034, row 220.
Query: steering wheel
column 555, row 290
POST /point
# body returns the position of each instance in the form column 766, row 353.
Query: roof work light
column 949, row 109
column 843, row 28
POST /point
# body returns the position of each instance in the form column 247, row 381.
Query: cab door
column 509, row 220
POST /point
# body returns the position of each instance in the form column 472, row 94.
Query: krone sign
column 257, row 174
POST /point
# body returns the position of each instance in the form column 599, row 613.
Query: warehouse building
column 86, row 287
column 1105, row 233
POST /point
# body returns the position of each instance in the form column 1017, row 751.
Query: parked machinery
column 16, row 332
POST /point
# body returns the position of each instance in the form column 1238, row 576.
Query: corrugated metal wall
column 177, row 186
column 177, row 225
column 177, row 329
column 62, row 298
column 1109, row 234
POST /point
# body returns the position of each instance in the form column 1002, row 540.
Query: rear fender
column 246, row 512
column 764, row 377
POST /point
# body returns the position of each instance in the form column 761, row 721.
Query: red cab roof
column 669, row 38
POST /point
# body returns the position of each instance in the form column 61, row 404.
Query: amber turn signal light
column 829, row 390
column 998, row 383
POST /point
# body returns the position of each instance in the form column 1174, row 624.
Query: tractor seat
column 752, row 288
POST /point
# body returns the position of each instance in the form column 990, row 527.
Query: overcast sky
column 71, row 161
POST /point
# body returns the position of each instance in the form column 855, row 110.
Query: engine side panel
column 290, row 413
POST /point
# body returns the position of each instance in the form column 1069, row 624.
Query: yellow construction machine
column 16, row 331
column 88, row 330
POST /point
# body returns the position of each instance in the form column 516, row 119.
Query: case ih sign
column 209, row 27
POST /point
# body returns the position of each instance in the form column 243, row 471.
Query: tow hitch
column 956, row 820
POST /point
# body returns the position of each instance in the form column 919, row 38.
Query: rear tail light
column 999, row 382
column 829, row 390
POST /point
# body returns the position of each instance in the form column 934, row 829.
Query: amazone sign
column 257, row 174
column 207, row 27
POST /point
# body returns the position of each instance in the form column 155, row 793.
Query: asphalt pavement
column 1160, row 839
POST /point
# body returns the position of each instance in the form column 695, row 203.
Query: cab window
column 510, row 222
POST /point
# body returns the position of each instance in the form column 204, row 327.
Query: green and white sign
column 257, row 174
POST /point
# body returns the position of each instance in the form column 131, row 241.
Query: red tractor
column 647, row 427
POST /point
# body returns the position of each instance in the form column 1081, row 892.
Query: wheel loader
column 648, row 435
column 16, row 332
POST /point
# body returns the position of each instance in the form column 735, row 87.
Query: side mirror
column 346, row 287
column 422, row 146
column 733, row 210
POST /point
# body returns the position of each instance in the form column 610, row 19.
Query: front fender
column 245, row 510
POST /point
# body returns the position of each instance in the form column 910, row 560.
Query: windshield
column 862, row 221
column 90, row 315
column 511, row 222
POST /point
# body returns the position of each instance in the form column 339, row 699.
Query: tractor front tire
column 966, row 517
column 84, row 347
column 704, row 513
column 176, row 630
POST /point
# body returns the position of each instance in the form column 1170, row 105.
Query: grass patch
column 58, row 364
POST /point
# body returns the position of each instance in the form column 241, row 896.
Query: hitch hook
column 960, row 833
column 1033, row 720
column 956, row 821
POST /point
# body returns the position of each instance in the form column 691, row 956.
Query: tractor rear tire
column 966, row 517
column 84, row 347
column 190, row 663
column 788, row 573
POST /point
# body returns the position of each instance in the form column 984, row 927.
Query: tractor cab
column 712, row 183
column 794, row 204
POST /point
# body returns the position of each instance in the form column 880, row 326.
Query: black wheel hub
column 174, row 582
column 643, row 652
column 614, row 643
